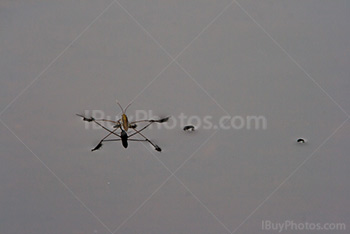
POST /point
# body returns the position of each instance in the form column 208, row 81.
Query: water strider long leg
column 120, row 139
column 145, row 138
column 138, row 131
column 99, row 145
column 162, row 120
column 118, row 125
column 91, row 119
column 112, row 140
column 124, row 141
column 108, row 120
column 110, row 132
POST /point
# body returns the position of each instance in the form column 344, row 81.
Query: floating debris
column 189, row 128
column 301, row 141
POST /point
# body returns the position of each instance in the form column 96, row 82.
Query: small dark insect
column 189, row 128
column 301, row 140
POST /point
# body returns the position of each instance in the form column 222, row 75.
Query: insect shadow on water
column 124, row 125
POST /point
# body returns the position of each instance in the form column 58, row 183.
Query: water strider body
column 124, row 125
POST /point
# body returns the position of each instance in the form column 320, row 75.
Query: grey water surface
column 286, row 62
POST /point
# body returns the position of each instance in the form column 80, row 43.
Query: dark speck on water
column 301, row 141
column 189, row 128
